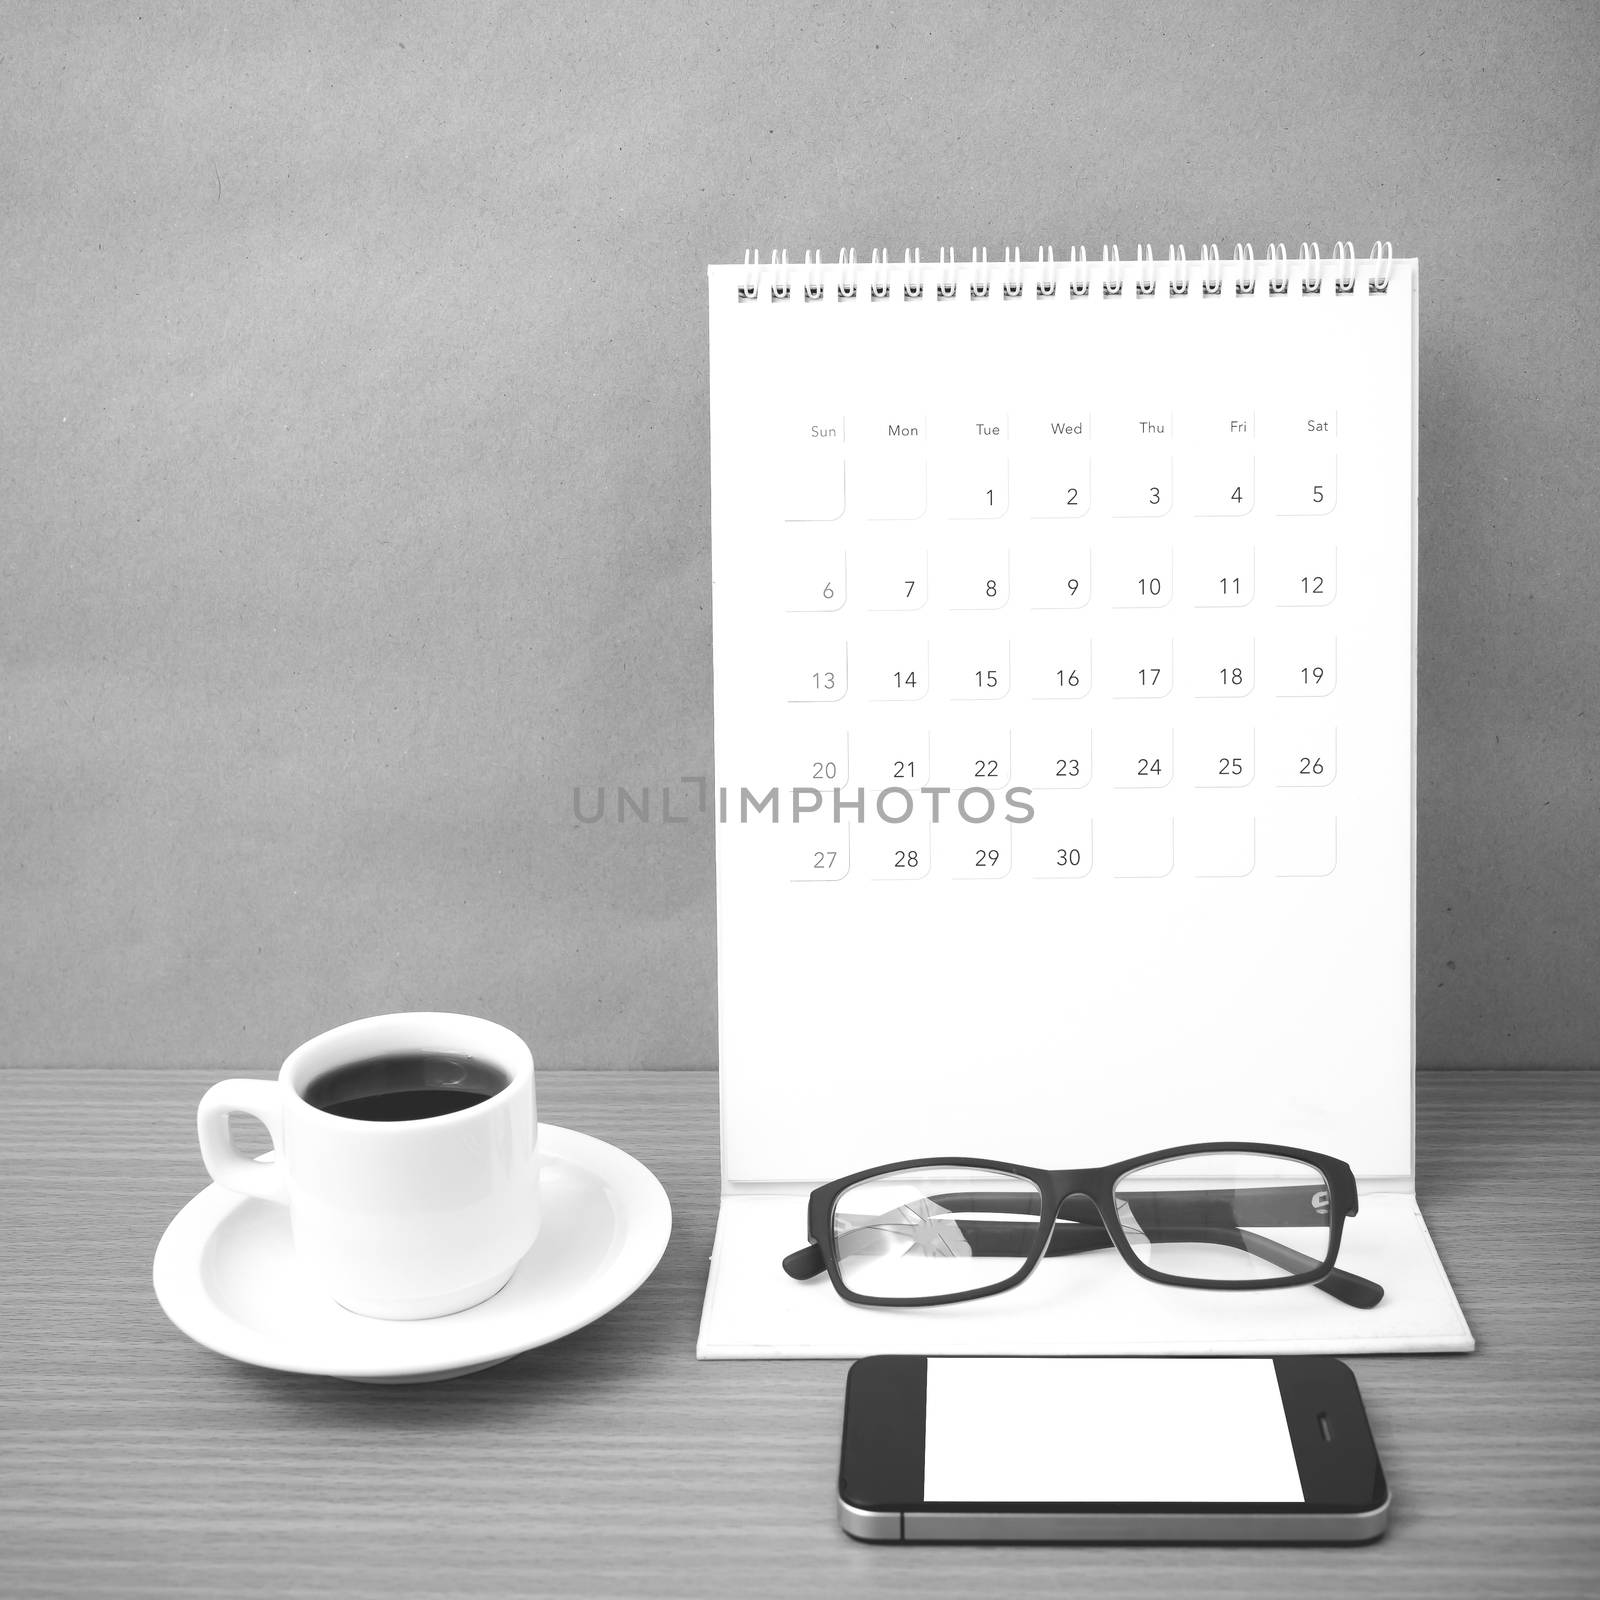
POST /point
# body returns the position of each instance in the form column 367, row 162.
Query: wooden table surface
column 135, row 1463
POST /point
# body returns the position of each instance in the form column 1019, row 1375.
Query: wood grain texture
column 134, row 1463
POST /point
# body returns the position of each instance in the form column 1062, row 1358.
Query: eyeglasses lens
column 922, row 1231
column 1227, row 1216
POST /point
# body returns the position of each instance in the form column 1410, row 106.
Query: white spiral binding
column 1111, row 260
column 847, row 274
column 1045, row 288
column 880, row 274
column 1144, row 278
column 1382, row 267
column 1310, row 269
column 1178, row 270
column 1277, row 269
column 1342, row 270
column 780, row 275
column 1012, row 288
column 813, row 274
column 1245, row 256
column 1344, row 267
column 913, row 283
column 1080, row 273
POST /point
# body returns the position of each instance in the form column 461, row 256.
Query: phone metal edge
column 1113, row 1527
column 876, row 1527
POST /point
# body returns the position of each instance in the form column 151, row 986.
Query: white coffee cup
column 394, row 1219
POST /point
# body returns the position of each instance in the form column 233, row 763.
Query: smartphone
column 1143, row 1449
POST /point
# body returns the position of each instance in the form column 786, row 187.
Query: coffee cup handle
column 249, row 1097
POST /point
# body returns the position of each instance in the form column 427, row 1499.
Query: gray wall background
column 353, row 464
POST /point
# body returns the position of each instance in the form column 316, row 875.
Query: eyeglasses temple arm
column 1007, row 1238
column 805, row 1263
column 1282, row 1206
column 1076, row 1238
column 1348, row 1287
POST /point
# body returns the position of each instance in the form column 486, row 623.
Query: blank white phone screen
column 1107, row 1429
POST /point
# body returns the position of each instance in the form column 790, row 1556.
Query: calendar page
column 1069, row 642
column 1064, row 662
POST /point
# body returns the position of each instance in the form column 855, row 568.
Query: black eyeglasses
column 1200, row 1216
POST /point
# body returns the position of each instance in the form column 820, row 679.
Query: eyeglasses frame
column 1098, row 1186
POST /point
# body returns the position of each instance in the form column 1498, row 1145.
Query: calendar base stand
column 1077, row 1305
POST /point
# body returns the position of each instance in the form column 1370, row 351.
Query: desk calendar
column 1064, row 620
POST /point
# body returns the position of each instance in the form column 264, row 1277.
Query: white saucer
column 226, row 1274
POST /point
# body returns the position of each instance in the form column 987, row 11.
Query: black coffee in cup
column 407, row 1087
